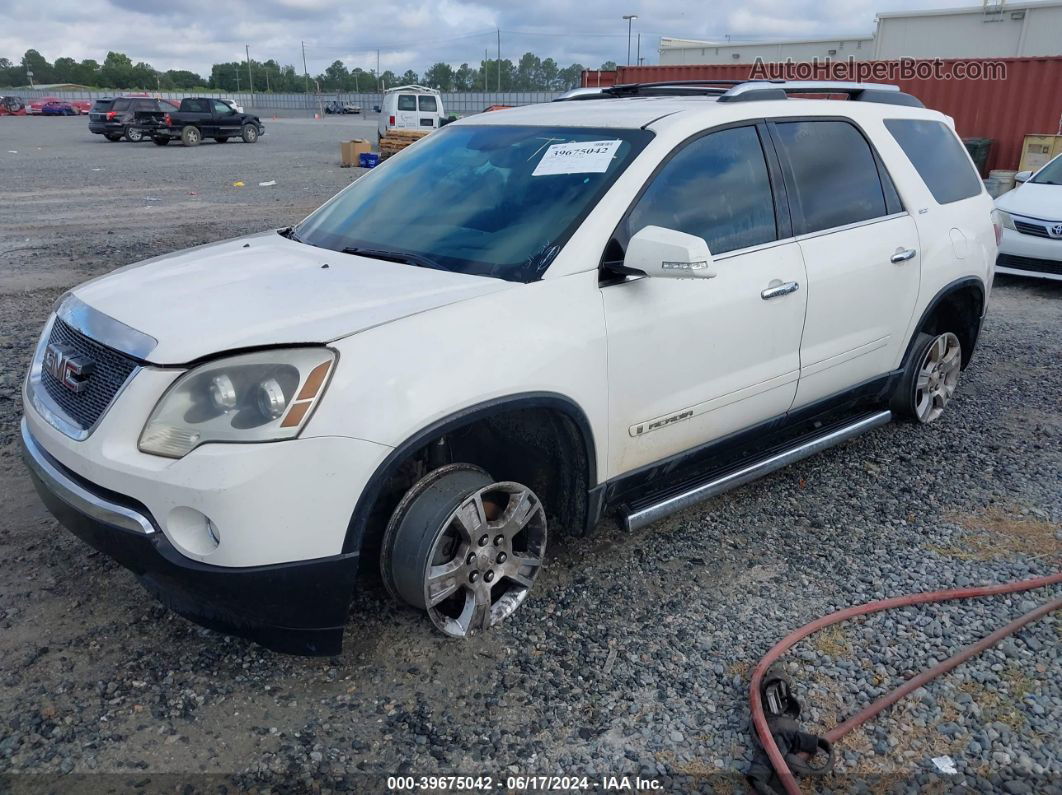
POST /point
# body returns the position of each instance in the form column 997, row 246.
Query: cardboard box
column 1037, row 150
column 349, row 151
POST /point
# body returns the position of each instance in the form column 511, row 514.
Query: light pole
column 630, row 21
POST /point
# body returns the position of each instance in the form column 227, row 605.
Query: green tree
column 528, row 71
column 117, row 71
column 549, row 74
column 465, row 78
column 388, row 79
column 410, row 78
column 441, row 76
column 334, row 77
column 608, row 66
column 34, row 62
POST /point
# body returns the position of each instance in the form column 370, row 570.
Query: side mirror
column 1023, row 176
column 659, row 252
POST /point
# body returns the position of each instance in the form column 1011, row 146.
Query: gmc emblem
column 67, row 367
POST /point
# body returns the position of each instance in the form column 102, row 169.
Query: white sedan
column 1032, row 224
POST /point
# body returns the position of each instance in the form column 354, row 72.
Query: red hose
column 759, row 719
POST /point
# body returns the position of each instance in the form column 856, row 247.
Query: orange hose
column 759, row 719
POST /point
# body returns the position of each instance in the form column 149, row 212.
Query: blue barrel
column 368, row 160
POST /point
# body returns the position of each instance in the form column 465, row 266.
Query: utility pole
column 379, row 83
column 499, row 59
column 236, row 69
column 250, row 76
column 484, row 70
column 638, row 59
column 305, row 71
column 630, row 22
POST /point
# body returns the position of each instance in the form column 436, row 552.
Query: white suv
column 623, row 303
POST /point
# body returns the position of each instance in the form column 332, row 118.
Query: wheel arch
column 961, row 301
column 495, row 408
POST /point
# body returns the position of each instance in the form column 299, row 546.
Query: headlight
column 252, row 397
column 1005, row 219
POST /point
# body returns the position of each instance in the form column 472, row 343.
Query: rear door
column 406, row 115
column 860, row 248
column 428, row 110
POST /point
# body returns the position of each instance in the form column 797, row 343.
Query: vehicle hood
column 267, row 290
column 1033, row 200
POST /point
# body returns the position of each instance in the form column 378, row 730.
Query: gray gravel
column 633, row 656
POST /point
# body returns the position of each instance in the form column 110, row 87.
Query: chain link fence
column 458, row 103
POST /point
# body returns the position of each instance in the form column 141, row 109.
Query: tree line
column 529, row 73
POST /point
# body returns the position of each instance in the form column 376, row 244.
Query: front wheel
column 464, row 548
column 134, row 135
column 249, row 133
column 190, row 136
column 931, row 377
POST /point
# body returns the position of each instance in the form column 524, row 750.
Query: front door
column 861, row 251
column 690, row 361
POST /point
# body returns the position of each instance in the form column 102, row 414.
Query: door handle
column 779, row 289
column 902, row 255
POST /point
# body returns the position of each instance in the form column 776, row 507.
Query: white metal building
column 990, row 30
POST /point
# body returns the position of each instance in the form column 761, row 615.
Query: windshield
column 487, row 200
column 1051, row 174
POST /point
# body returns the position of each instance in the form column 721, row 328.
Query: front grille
column 110, row 369
column 1031, row 229
column 1030, row 264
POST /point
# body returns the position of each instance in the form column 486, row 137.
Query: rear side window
column 428, row 104
column 831, row 174
column 121, row 104
column 717, row 188
column 938, row 157
column 195, row 106
column 146, row 104
column 407, row 102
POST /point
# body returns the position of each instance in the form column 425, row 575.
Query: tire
column 160, row 141
column 464, row 548
column 190, row 136
column 930, row 378
column 134, row 135
column 222, row 139
column 113, row 137
column 249, row 134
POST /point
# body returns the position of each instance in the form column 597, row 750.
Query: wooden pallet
column 397, row 140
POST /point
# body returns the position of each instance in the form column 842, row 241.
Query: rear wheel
column 249, row 133
column 931, row 377
column 134, row 135
column 190, row 136
column 464, row 548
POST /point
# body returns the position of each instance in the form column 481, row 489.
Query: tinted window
column 146, row 104
column 121, row 104
column 428, row 104
column 221, row 109
column 938, row 157
column 407, row 102
column 195, row 106
column 716, row 188
column 831, row 174
column 1051, row 174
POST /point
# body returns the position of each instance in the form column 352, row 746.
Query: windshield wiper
column 395, row 256
column 289, row 233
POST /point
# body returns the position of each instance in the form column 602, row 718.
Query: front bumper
column 298, row 608
column 1029, row 255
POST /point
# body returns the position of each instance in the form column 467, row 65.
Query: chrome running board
column 639, row 518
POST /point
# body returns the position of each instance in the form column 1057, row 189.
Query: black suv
column 114, row 118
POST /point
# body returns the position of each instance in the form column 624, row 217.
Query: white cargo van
column 410, row 108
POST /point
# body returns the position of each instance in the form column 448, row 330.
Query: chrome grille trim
column 104, row 329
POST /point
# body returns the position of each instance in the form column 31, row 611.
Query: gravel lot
column 632, row 658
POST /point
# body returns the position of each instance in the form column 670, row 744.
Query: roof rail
column 758, row 90
column 748, row 90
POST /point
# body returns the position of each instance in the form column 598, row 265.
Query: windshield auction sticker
column 582, row 157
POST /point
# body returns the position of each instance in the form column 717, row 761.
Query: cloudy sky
column 193, row 34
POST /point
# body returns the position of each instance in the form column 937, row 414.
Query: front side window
column 428, row 104
column 221, row 108
column 407, row 102
column 831, row 174
column 491, row 200
column 938, row 157
column 1051, row 174
column 716, row 188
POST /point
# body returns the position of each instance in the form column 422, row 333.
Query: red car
column 12, row 106
column 82, row 106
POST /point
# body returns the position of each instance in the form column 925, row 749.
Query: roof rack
column 750, row 90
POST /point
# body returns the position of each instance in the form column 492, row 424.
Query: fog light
column 192, row 532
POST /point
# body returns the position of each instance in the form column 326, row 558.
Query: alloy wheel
column 938, row 376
